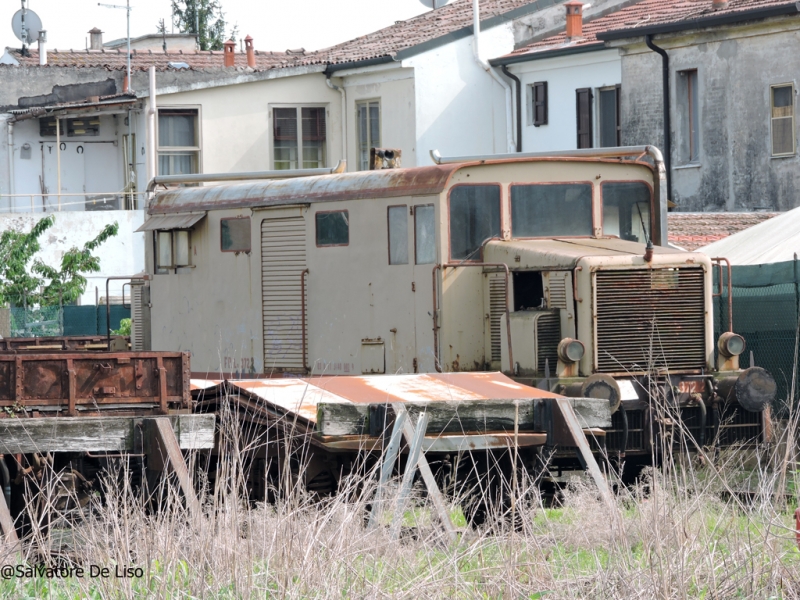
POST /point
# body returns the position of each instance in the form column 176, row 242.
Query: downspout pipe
column 11, row 185
column 152, row 115
column 648, row 39
column 344, row 111
column 518, row 108
column 476, row 49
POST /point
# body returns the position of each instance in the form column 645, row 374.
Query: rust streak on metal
column 304, row 333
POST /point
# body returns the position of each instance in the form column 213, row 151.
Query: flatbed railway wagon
column 554, row 269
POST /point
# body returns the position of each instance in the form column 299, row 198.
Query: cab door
column 424, row 257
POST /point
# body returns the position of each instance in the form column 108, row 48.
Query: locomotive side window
column 235, row 234
column 172, row 250
column 398, row 235
column 424, row 235
column 626, row 210
column 474, row 218
column 333, row 228
column 548, row 210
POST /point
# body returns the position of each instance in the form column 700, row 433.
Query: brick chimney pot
column 251, row 56
column 229, row 53
column 574, row 19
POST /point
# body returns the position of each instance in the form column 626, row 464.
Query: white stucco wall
column 120, row 255
column 461, row 110
column 564, row 75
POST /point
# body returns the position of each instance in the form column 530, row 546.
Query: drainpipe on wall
column 11, row 186
column 648, row 39
column 476, row 33
column 344, row 112
column 518, row 108
column 152, row 112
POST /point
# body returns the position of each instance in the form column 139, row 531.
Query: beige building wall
column 236, row 120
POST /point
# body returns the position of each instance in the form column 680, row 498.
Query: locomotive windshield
column 626, row 210
column 551, row 210
column 474, row 218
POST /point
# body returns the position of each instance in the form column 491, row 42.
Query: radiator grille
column 614, row 436
column 497, row 308
column 662, row 307
column 548, row 334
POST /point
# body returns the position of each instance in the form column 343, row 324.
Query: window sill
column 792, row 155
column 692, row 165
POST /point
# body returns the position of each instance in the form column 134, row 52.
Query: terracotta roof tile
column 141, row 60
column 412, row 32
column 642, row 14
column 695, row 230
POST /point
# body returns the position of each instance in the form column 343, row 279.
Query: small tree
column 26, row 284
column 204, row 18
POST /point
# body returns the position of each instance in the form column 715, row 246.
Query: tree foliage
column 27, row 281
column 207, row 14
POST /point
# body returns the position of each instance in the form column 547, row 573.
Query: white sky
column 273, row 24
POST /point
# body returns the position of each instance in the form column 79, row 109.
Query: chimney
column 719, row 4
column 574, row 19
column 95, row 39
column 42, row 48
column 229, row 53
column 251, row 55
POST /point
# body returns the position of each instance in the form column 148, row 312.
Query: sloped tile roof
column 418, row 30
column 695, row 230
column 141, row 60
column 642, row 14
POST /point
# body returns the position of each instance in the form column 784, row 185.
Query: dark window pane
column 608, row 118
column 626, row 211
column 398, row 235
column 333, row 228
column 235, row 235
column 474, row 218
column 551, row 210
column 424, row 235
column 782, row 96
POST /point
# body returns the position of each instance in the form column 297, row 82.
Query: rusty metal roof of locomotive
column 416, row 181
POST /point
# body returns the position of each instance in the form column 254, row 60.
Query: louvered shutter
column 619, row 116
column 584, row 114
column 540, row 103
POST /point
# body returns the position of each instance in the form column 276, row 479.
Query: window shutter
column 540, row 103
column 619, row 116
column 583, row 111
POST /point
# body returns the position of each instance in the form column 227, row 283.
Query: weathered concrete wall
column 735, row 170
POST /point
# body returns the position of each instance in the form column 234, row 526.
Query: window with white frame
column 298, row 137
column 688, row 93
column 178, row 141
column 369, row 130
column 782, row 117
column 173, row 250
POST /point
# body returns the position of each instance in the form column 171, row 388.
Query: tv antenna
column 127, row 8
column 26, row 25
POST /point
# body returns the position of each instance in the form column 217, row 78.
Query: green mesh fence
column 67, row 321
column 766, row 308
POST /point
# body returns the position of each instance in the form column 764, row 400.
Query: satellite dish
column 434, row 3
column 33, row 24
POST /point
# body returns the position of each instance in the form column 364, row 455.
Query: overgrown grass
column 684, row 532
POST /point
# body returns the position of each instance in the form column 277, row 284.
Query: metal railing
column 84, row 201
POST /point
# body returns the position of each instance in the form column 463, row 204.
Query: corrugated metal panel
column 497, row 308
column 650, row 318
column 283, row 260
column 174, row 221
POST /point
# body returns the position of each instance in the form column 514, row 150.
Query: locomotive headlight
column 730, row 344
column 570, row 350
